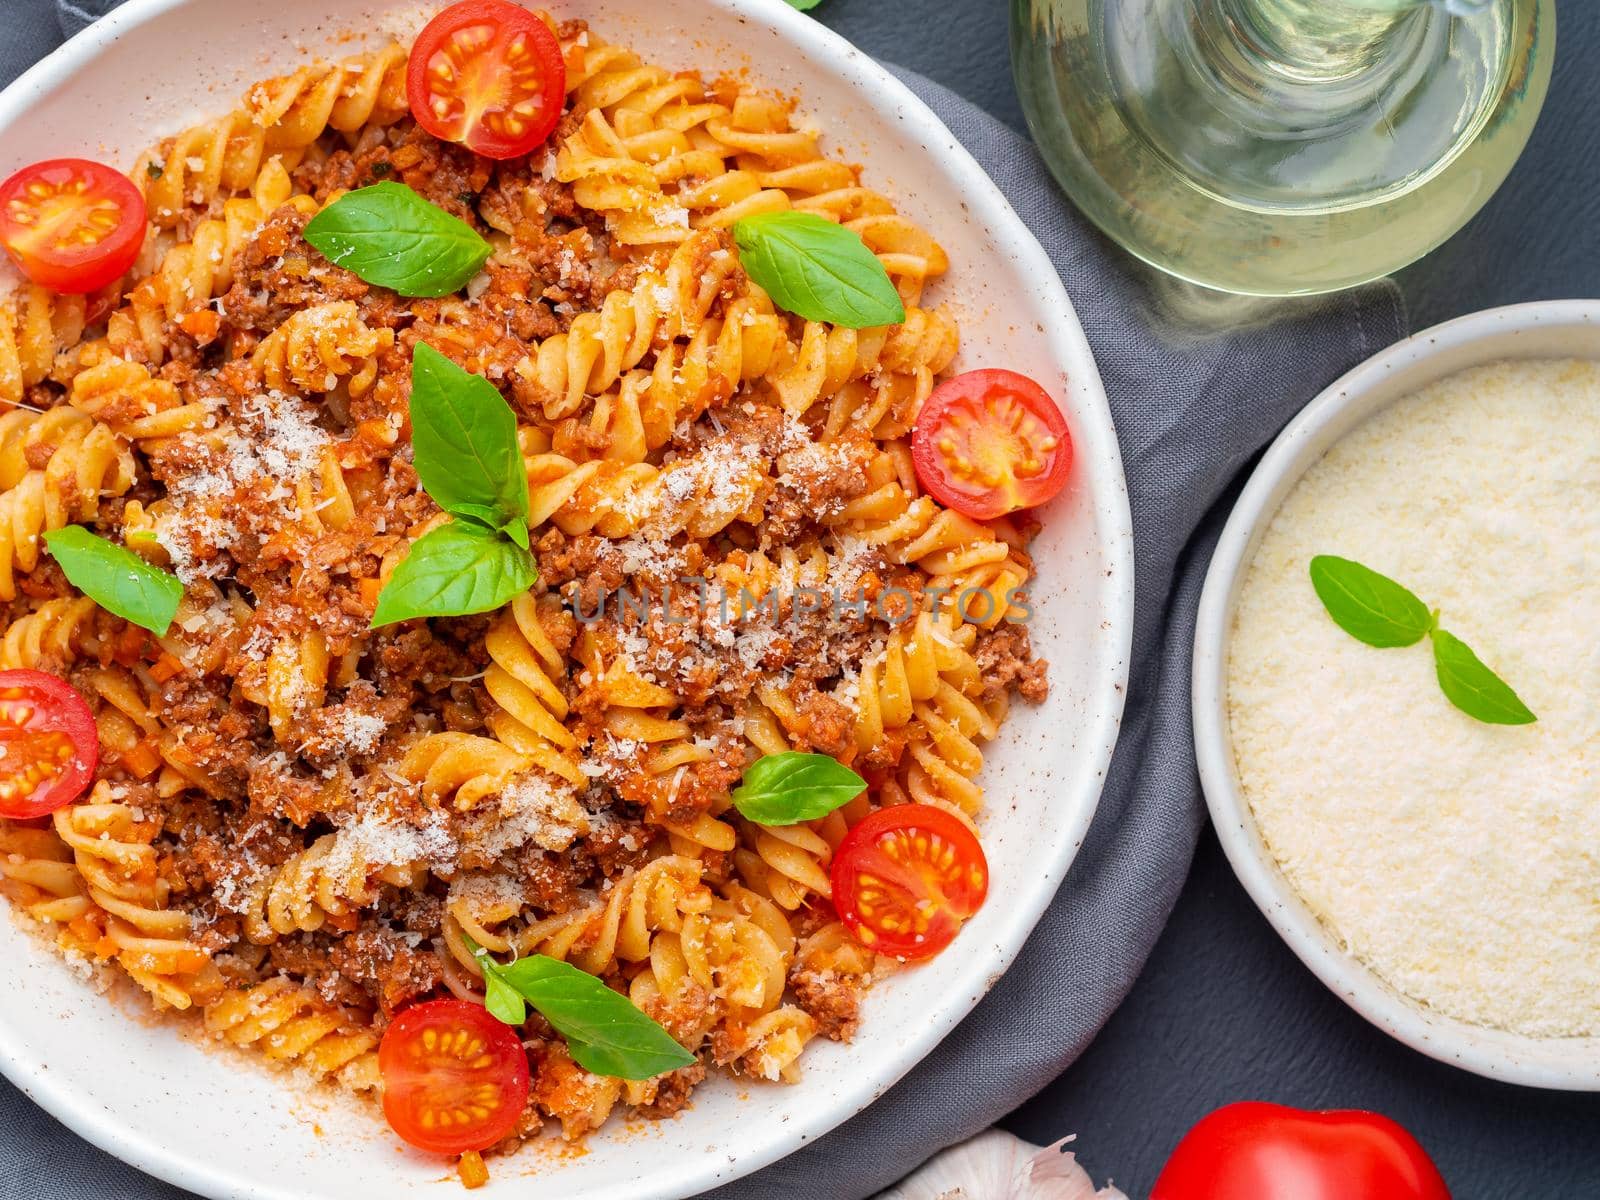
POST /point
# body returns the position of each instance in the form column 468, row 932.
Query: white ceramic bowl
column 224, row 1128
column 1561, row 329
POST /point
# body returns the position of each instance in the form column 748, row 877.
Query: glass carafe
column 1281, row 147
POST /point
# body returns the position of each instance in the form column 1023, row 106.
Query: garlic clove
column 997, row 1166
column 1054, row 1174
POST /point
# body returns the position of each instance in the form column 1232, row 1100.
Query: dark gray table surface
column 1224, row 1011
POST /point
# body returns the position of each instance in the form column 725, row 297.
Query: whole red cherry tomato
column 1256, row 1151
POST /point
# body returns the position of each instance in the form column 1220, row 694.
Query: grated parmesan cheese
column 1461, row 861
column 360, row 732
column 275, row 442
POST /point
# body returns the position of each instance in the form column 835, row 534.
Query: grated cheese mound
column 1460, row 860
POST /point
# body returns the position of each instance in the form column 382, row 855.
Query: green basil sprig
column 464, row 438
column 804, row 5
column 606, row 1034
column 784, row 789
column 390, row 236
column 1380, row 612
column 817, row 269
column 116, row 578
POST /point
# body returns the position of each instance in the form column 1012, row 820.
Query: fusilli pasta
column 300, row 825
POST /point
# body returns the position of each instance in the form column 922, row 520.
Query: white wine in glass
column 1281, row 147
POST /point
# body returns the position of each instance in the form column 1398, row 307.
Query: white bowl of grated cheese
column 1437, row 873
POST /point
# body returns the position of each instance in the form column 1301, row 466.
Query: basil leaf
column 804, row 5
column 817, row 269
column 459, row 568
column 1473, row 687
column 116, row 578
column 1367, row 605
column 464, row 435
column 782, row 789
column 606, row 1034
column 390, row 236
column 502, row 1000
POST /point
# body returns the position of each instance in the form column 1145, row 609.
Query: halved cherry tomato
column 49, row 746
column 70, row 224
column 487, row 74
column 906, row 878
column 454, row 1078
column 990, row 442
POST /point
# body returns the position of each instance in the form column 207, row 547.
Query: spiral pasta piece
column 219, row 157
column 53, row 635
column 133, row 738
column 706, row 371
column 830, row 973
column 35, row 326
column 722, row 351
column 111, row 847
column 912, row 670
column 364, row 91
column 661, row 895
column 85, row 461
column 637, row 716
column 618, row 927
column 904, row 358
column 947, row 752
column 294, row 1026
column 291, row 681
column 124, row 396
column 659, row 161
column 192, row 273
column 136, row 330
column 788, row 864
column 660, row 306
column 280, row 119
column 606, row 178
column 700, row 836
column 461, row 768
column 833, row 951
column 596, row 496
column 770, row 1046
column 739, row 950
column 700, row 494
column 942, row 775
column 322, row 885
column 323, row 496
column 122, row 718
column 39, row 874
column 318, row 347
column 580, row 1101
column 974, row 567
column 525, row 677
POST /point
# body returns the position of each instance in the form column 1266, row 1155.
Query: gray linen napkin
column 1198, row 384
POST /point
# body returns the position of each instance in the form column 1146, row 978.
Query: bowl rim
column 1344, row 404
column 1106, row 496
